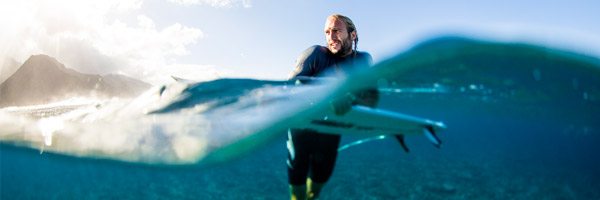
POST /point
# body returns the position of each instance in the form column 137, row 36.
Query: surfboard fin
column 400, row 139
column 431, row 135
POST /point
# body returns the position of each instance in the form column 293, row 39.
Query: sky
column 208, row 39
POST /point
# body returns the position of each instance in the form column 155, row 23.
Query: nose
column 330, row 36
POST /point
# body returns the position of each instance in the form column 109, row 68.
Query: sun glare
column 48, row 126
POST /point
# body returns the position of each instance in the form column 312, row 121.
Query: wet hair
column 349, row 26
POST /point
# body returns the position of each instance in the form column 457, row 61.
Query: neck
column 347, row 53
column 344, row 52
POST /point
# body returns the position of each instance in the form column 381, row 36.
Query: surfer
column 312, row 155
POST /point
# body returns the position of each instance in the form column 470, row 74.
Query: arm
column 367, row 96
column 305, row 63
column 370, row 95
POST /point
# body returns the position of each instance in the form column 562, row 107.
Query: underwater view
column 523, row 122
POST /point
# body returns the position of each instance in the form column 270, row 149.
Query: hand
column 367, row 97
column 343, row 104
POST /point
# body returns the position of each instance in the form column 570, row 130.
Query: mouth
column 334, row 44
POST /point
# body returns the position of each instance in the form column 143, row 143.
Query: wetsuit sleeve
column 305, row 64
column 369, row 96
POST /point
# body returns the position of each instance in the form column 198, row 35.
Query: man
column 312, row 155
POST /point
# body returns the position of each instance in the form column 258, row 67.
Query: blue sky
column 207, row 39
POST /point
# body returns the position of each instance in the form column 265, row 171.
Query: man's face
column 338, row 40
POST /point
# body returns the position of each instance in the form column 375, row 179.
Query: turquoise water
column 522, row 124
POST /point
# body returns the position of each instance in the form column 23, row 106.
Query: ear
column 353, row 35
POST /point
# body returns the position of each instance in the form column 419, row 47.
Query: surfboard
column 365, row 121
column 374, row 123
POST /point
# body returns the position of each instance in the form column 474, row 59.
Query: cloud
column 100, row 37
column 215, row 3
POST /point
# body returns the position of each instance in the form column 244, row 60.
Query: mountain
column 43, row 79
column 8, row 66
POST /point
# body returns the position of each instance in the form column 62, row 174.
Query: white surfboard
column 375, row 123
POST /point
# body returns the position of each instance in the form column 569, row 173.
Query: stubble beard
column 346, row 48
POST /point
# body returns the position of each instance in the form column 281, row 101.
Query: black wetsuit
column 310, row 151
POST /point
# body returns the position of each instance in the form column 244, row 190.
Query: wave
column 174, row 124
column 216, row 121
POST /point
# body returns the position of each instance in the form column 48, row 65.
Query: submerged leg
column 313, row 189
column 298, row 192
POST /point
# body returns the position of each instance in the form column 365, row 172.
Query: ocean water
column 523, row 123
